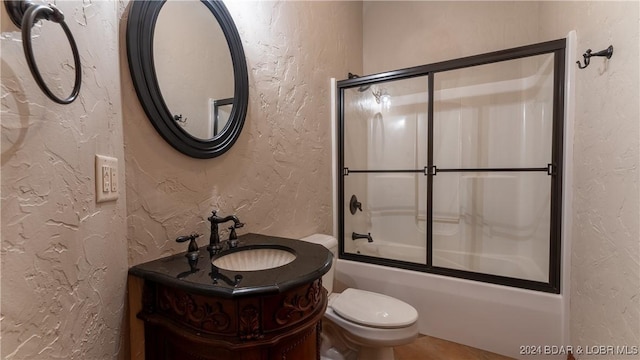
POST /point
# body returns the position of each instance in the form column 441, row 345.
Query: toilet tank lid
column 327, row 241
column 373, row 309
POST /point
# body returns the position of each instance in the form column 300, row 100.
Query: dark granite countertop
column 311, row 262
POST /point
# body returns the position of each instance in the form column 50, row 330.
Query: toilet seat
column 368, row 336
column 372, row 309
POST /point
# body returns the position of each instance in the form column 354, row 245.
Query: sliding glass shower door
column 385, row 143
column 492, row 144
column 455, row 168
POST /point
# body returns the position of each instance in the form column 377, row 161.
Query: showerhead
column 381, row 96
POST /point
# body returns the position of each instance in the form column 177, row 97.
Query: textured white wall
column 64, row 257
column 605, row 269
column 277, row 176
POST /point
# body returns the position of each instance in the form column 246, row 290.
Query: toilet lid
column 373, row 309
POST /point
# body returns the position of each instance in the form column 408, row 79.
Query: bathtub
column 491, row 317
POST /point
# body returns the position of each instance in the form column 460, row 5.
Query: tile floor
column 430, row 348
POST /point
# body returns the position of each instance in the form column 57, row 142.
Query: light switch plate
column 106, row 178
column 114, row 178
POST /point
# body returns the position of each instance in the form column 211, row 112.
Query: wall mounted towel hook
column 608, row 52
column 24, row 14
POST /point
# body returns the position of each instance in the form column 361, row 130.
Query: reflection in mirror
column 194, row 67
column 221, row 112
column 182, row 81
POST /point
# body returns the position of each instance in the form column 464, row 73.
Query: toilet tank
column 331, row 244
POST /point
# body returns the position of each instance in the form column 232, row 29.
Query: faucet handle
column 233, row 237
column 354, row 205
column 232, row 233
column 192, row 259
column 193, row 246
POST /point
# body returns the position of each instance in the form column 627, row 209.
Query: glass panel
column 385, row 125
column 493, row 223
column 496, row 115
column 393, row 212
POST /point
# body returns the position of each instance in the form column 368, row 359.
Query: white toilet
column 361, row 324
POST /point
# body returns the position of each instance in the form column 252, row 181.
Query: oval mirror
column 188, row 67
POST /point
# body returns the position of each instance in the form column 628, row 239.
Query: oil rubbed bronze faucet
column 214, row 240
column 356, row 236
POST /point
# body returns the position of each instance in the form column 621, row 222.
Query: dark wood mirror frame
column 140, row 30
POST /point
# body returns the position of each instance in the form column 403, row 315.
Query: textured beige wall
column 605, row 270
column 64, row 257
column 400, row 34
column 277, row 176
column 605, row 275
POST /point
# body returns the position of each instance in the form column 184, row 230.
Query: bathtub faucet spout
column 355, row 236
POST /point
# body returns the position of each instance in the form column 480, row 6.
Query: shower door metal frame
column 554, row 169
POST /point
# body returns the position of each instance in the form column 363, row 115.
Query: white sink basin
column 254, row 259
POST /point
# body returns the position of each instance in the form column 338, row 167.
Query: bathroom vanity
column 256, row 303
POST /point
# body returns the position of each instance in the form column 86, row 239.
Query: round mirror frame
column 140, row 28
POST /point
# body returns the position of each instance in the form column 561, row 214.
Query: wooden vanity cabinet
column 179, row 325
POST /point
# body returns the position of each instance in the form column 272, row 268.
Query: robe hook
column 608, row 52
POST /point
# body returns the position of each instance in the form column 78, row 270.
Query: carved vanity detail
column 270, row 314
